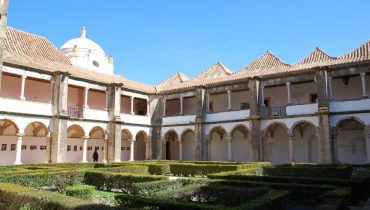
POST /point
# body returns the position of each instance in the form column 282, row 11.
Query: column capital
column 86, row 137
column 362, row 74
column 290, row 132
column 131, row 140
column 179, row 140
column 86, row 88
column 19, row 135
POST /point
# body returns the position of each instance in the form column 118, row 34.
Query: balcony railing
column 273, row 111
column 75, row 112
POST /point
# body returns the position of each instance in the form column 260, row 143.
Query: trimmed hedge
column 159, row 169
column 338, row 172
column 17, row 197
column 39, row 178
column 133, row 169
column 244, row 172
column 272, row 200
column 81, row 191
column 122, row 181
column 148, row 188
column 191, row 169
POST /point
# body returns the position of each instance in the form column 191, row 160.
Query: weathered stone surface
column 3, row 21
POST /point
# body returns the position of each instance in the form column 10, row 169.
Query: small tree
column 63, row 180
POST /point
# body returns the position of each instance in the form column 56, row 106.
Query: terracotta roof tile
column 266, row 61
column 359, row 54
column 316, row 56
column 215, row 71
column 175, row 79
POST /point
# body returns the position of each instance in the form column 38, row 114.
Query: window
column 96, row 64
column 211, row 106
column 313, row 98
column 266, row 101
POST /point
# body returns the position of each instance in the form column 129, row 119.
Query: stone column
column 262, row 95
column 162, row 144
column 85, row 98
column 107, row 100
column 132, row 105
column 132, row 149
column 289, row 93
column 164, row 107
column 208, row 102
column 290, row 139
column 334, row 144
column 47, row 152
column 330, row 87
column 51, row 91
column 180, row 149
column 18, row 151
column 105, row 150
column 114, row 126
column 367, row 136
column 3, row 23
column 84, row 150
column 147, row 107
column 228, row 100
column 254, row 120
column 23, row 84
column 363, row 82
column 209, row 142
column 147, row 149
column 181, row 105
column 229, row 148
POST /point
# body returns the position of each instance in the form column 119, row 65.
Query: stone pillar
column 132, row 149
column 23, row 83
column 164, row 107
column 180, row 149
column 3, row 22
column 208, row 98
column 132, row 105
column 290, row 141
column 229, row 148
column 181, row 105
column 18, row 151
column 201, row 146
column 325, row 153
column 47, row 152
column 228, row 100
column 60, row 116
column 162, row 145
column 209, row 154
column 84, row 150
column 289, row 93
column 107, row 100
column 330, row 87
column 114, row 126
column 367, row 136
column 334, row 144
column 147, row 149
column 363, row 82
column 105, row 150
column 262, row 90
column 86, row 93
column 254, row 120
column 147, row 107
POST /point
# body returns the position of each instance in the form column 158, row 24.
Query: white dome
column 85, row 53
column 82, row 43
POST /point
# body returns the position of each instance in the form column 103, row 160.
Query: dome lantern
column 83, row 32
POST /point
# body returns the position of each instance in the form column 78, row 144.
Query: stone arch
column 96, row 142
column 8, row 141
column 126, row 136
column 218, row 144
column 8, row 125
column 172, row 145
column 75, row 135
column 188, row 144
column 277, row 144
column 305, row 142
column 350, row 140
column 240, row 145
column 75, row 131
column 34, row 143
column 140, row 145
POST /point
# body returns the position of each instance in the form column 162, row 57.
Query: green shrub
column 62, row 181
column 17, row 197
column 324, row 171
column 191, row 169
column 244, row 172
column 122, row 181
column 80, row 191
column 133, row 169
column 40, row 179
column 159, row 169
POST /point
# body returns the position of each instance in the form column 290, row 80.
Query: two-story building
column 60, row 105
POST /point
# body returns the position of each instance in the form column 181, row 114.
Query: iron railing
column 76, row 112
column 277, row 111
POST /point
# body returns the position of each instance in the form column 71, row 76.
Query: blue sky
column 151, row 40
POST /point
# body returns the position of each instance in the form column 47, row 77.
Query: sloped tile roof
column 266, row 61
column 358, row 54
column 29, row 50
column 316, row 56
column 175, row 79
column 215, row 71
